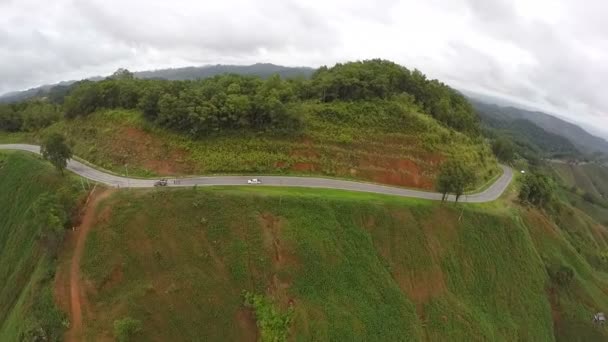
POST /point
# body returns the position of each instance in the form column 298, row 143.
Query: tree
column 504, row 149
column 50, row 217
column 454, row 177
column 536, row 189
column 55, row 150
column 10, row 120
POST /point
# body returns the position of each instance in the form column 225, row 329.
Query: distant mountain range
column 263, row 70
column 502, row 117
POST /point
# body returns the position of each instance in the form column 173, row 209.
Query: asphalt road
column 488, row 195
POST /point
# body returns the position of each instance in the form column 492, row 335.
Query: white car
column 254, row 181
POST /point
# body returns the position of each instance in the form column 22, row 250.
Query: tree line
column 228, row 102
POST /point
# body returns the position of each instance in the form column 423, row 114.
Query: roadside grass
column 351, row 266
column 26, row 299
column 407, row 156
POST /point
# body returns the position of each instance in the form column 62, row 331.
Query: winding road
column 488, row 195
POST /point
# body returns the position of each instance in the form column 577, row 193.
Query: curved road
column 488, row 195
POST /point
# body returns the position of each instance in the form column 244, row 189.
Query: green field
column 351, row 266
column 26, row 271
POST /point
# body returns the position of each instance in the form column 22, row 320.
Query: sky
column 547, row 54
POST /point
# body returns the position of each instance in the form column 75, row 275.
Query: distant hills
column 263, row 70
column 560, row 134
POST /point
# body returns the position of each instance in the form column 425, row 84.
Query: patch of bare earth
column 282, row 259
column 70, row 289
column 135, row 146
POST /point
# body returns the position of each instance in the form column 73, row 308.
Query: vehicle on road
column 254, row 181
column 161, row 182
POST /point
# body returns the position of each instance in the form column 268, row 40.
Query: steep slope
column 343, row 266
column 30, row 191
column 410, row 156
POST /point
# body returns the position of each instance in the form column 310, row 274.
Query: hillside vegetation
column 371, row 120
column 332, row 265
column 35, row 205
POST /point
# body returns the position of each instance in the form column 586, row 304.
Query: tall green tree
column 55, row 149
column 537, row 189
column 454, row 178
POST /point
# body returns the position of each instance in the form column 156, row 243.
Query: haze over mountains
column 490, row 108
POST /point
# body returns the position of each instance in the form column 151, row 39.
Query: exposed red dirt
column 282, row 259
column 403, row 172
column 77, row 288
column 304, row 167
column 136, row 146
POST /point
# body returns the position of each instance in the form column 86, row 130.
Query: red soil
column 70, row 290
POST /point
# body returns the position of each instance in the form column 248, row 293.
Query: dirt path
column 72, row 282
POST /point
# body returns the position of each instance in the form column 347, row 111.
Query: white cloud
column 551, row 53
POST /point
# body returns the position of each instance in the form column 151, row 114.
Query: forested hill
column 273, row 105
column 263, row 70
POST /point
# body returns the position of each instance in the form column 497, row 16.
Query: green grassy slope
column 26, row 273
column 351, row 267
column 406, row 153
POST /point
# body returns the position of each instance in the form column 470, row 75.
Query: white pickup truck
column 254, row 181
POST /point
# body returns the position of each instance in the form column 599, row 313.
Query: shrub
column 273, row 325
column 125, row 328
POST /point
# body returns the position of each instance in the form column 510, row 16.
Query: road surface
column 488, row 195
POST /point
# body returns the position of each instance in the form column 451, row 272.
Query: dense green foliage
column 537, row 189
column 55, row 149
column 28, row 116
column 383, row 79
column 230, row 102
column 35, row 207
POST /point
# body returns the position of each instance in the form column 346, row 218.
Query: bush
column 273, row 325
column 561, row 276
column 125, row 328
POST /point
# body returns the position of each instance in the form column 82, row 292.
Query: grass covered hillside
column 373, row 121
column 251, row 264
column 35, row 204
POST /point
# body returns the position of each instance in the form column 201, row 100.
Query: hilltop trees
column 55, row 150
column 454, row 177
column 382, row 79
column 230, row 102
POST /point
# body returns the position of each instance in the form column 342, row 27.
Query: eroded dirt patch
column 70, row 289
column 135, row 146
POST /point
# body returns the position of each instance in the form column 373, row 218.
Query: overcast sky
column 552, row 54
